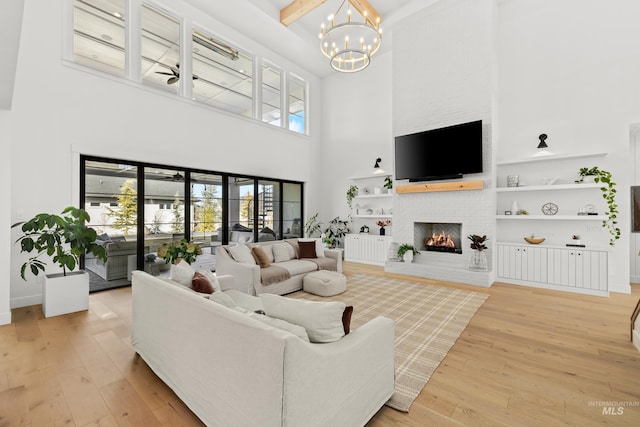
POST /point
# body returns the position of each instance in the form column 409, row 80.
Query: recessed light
column 117, row 14
column 242, row 71
column 106, row 37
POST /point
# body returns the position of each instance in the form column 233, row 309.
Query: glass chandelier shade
column 349, row 45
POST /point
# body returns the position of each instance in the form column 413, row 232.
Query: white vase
column 478, row 261
column 588, row 179
column 408, row 256
column 514, row 208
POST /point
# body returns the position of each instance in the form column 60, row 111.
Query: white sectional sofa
column 249, row 276
column 233, row 370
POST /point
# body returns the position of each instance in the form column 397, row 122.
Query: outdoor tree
column 126, row 212
column 178, row 216
column 207, row 214
column 246, row 208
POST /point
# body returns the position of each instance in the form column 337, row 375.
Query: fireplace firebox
column 438, row 236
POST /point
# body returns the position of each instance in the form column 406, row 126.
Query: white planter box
column 65, row 294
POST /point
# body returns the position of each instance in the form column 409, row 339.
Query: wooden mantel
column 442, row 186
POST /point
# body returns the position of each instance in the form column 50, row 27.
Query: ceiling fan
column 178, row 177
column 174, row 74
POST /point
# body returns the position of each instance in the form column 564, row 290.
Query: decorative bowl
column 534, row 240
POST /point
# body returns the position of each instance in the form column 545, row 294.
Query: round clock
column 549, row 209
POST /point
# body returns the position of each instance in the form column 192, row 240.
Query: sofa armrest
column 226, row 281
column 245, row 276
column 337, row 255
column 354, row 376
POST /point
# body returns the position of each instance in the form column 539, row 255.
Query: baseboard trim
column 5, row 318
column 26, row 301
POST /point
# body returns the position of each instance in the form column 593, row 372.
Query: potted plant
column 312, row 226
column 65, row 238
column 406, row 252
column 478, row 260
column 335, row 231
column 352, row 192
column 388, row 183
column 177, row 251
column 609, row 195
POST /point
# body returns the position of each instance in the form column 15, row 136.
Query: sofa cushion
column 182, row 273
column 281, row 252
column 223, row 298
column 201, row 283
column 307, row 249
column 321, row 320
column 298, row 266
column 261, row 257
column 242, row 253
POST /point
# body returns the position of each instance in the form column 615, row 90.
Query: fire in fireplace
column 440, row 237
column 440, row 240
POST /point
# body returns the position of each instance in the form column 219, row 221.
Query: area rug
column 428, row 321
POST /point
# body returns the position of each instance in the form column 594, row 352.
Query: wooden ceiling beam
column 298, row 8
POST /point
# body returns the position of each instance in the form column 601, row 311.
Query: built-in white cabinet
column 366, row 248
column 555, row 267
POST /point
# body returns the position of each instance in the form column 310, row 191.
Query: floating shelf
column 372, row 216
column 552, row 157
column 372, row 196
column 552, row 217
column 548, row 187
column 443, row 186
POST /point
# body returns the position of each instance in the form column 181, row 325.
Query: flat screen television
column 444, row 153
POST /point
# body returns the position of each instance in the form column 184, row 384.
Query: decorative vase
column 514, row 208
column 408, row 256
column 393, row 251
column 382, row 231
column 478, row 261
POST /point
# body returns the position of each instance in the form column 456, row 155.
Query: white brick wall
column 442, row 75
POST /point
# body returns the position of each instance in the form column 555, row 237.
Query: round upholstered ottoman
column 324, row 283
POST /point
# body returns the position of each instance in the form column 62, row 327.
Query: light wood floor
column 529, row 357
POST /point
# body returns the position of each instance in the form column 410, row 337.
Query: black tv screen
column 444, row 153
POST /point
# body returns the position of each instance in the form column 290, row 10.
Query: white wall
column 5, row 218
column 357, row 118
column 60, row 111
column 570, row 69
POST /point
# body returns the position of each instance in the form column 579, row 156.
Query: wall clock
column 549, row 208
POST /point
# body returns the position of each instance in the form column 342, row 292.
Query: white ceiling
column 260, row 20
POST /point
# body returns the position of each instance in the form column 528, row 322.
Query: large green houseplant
column 65, row 238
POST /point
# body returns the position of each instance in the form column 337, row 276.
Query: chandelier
column 350, row 45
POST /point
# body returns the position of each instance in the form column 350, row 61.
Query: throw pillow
column 281, row 252
column 261, row 257
column 296, row 330
column 242, row 254
column 346, row 319
column 268, row 249
column 212, row 278
column 201, row 283
column 319, row 247
column 322, row 320
column 307, row 249
column 182, row 273
column 224, row 299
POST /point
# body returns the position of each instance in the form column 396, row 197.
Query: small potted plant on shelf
column 352, row 192
column 575, row 239
column 406, row 252
column 65, row 238
column 388, row 183
column 382, row 225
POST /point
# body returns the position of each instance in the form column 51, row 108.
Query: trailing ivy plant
column 351, row 193
column 609, row 195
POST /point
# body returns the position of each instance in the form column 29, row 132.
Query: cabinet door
column 558, row 266
column 379, row 249
column 352, row 247
column 534, row 264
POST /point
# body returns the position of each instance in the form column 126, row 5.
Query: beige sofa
column 249, row 277
column 232, row 370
